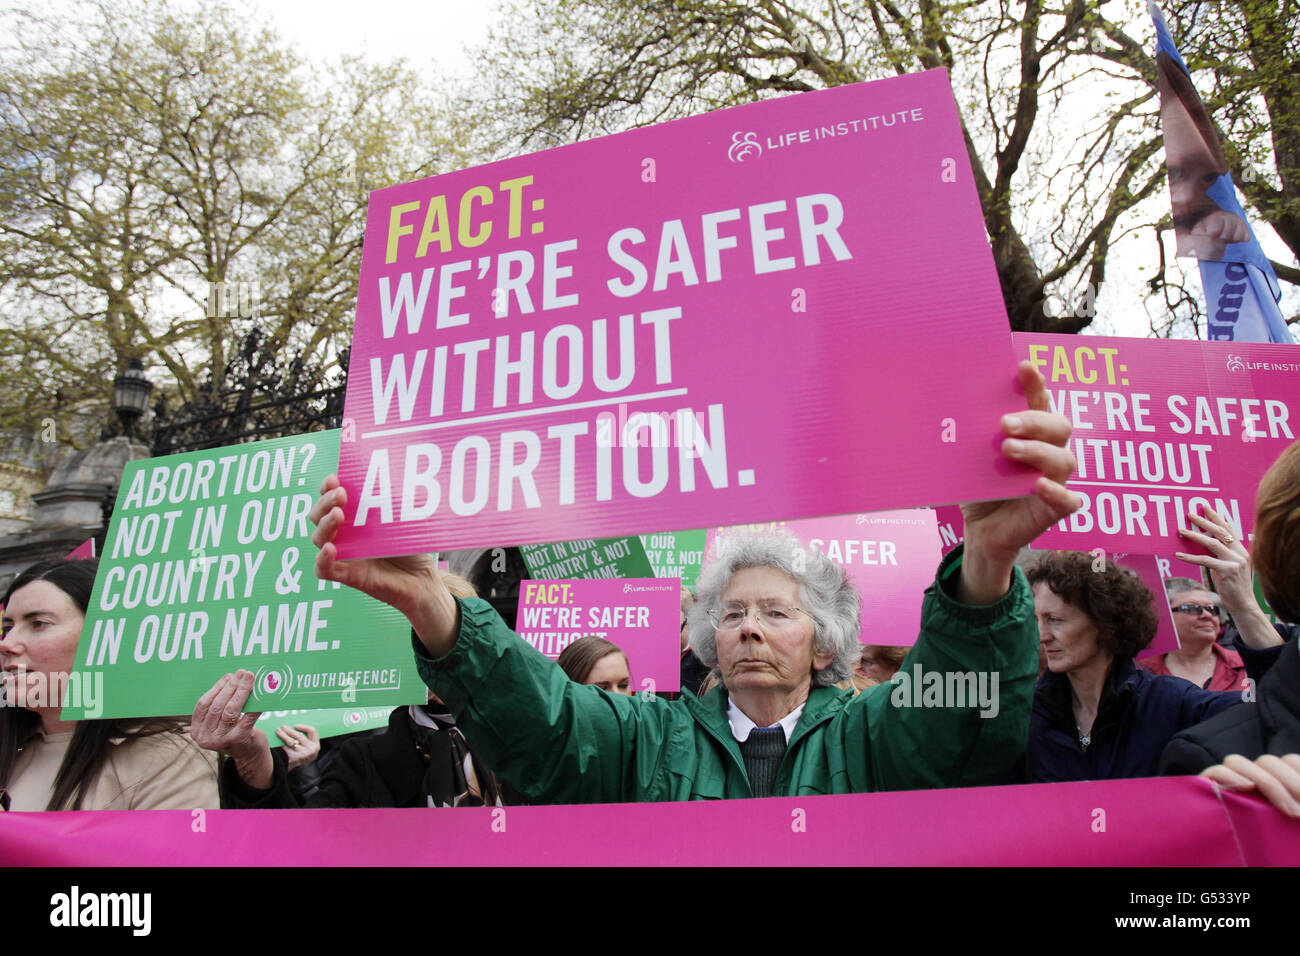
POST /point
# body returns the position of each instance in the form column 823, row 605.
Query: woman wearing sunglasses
column 1199, row 657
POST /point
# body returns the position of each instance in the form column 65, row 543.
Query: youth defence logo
column 272, row 682
column 744, row 146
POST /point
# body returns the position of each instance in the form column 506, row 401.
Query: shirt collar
column 742, row 725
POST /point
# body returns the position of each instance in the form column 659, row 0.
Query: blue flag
column 1241, row 288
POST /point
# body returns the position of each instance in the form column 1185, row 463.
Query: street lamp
column 131, row 392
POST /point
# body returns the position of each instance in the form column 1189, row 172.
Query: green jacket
column 556, row 741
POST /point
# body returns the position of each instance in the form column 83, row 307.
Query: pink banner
column 1162, row 426
column 709, row 321
column 891, row 556
column 641, row 615
column 1173, row 821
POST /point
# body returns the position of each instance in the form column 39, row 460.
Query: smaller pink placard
column 641, row 615
column 1147, row 568
column 84, row 550
column 891, row 556
column 952, row 527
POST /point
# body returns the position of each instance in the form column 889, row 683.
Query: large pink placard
column 641, row 615
column 891, row 556
column 1163, row 426
column 709, row 321
column 1170, row 821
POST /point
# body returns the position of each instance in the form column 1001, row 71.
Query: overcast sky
column 433, row 35
column 422, row 31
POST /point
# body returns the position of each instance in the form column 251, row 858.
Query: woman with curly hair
column 1096, row 716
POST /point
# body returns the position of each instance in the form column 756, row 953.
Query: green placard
column 1263, row 604
column 676, row 554
column 208, row 567
column 328, row 723
column 592, row 558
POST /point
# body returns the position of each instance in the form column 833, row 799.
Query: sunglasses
column 1197, row 609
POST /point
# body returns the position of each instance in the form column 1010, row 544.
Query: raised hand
column 997, row 530
column 410, row 583
column 1230, row 570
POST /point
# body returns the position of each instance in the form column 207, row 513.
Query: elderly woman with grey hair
column 779, row 624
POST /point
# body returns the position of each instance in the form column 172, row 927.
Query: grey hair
column 1179, row 585
column 825, row 592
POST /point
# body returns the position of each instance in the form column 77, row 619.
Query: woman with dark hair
column 1096, row 716
column 51, row 764
column 594, row 660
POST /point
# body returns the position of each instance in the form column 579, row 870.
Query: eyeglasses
column 770, row 618
column 1198, row 609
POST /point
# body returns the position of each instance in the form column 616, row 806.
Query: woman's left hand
column 301, row 743
column 997, row 530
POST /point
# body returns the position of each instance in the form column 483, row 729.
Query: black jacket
column 1138, row 714
column 371, row 770
column 1271, row 726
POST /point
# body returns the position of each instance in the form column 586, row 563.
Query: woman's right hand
column 410, row 583
column 1232, row 573
column 219, row 723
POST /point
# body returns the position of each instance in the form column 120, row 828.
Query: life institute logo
column 1235, row 364
column 744, row 146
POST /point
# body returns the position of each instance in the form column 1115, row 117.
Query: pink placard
column 891, row 556
column 84, row 550
column 1171, row 567
column 952, row 527
column 1170, row 821
column 1160, row 427
column 641, row 615
column 1146, row 566
column 705, row 322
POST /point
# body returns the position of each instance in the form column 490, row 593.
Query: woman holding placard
column 781, row 626
column 51, row 764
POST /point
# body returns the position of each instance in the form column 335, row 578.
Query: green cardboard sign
column 208, row 567
column 328, row 723
column 591, row 558
column 676, row 554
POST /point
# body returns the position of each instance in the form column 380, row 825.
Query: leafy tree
column 168, row 182
column 1059, row 103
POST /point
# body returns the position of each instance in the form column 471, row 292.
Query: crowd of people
column 780, row 695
